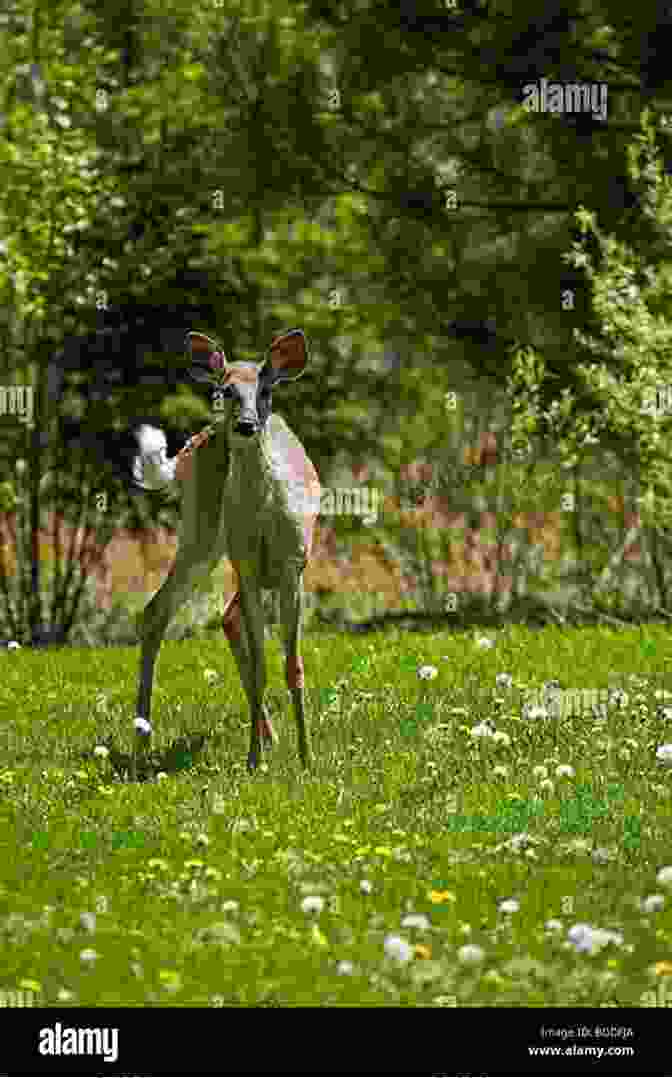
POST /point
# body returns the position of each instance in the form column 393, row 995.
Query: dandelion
column 503, row 681
column 601, row 855
column 102, row 751
column 312, row 904
column 422, row 951
column 482, row 730
column 509, row 905
column 534, row 712
column 663, row 969
column 471, row 954
column 398, row 948
column 439, row 897
column 427, row 673
column 664, row 754
column 586, row 938
column 564, row 771
column 416, row 920
column 345, row 969
column 653, row 903
column 664, row 877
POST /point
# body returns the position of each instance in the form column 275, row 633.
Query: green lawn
column 393, row 874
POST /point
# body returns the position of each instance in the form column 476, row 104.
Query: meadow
column 353, row 884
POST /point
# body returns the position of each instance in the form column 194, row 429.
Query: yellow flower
column 663, row 969
column 421, row 951
column 442, row 896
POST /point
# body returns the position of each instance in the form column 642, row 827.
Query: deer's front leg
column 252, row 623
column 232, row 624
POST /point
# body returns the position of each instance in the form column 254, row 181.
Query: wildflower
column 663, row 969
column 554, row 925
column 12, row 645
column 601, row 855
column 482, row 730
column 398, row 948
column 65, row 996
column 427, row 673
column 366, row 887
column 534, row 712
column 653, row 903
column 509, row 905
column 564, row 771
column 312, row 904
column 230, row 906
column 664, row 877
column 589, row 939
column 422, row 951
column 102, row 751
column 471, row 954
column 88, row 955
column 161, row 776
column 441, row 896
column 664, row 754
column 345, row 969
column 503, row 681
column 416, row 920
column 88, row 921
column 484, row 642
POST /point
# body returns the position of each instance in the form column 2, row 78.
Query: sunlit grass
column 453, row 837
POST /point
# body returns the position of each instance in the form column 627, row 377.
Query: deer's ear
column 205, row 356
column 200, row 346
column 288, row 356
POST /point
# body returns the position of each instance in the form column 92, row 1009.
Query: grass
column 353, row 885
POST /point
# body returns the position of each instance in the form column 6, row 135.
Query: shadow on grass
column 180, row 756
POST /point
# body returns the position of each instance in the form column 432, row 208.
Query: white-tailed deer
column 253, row 495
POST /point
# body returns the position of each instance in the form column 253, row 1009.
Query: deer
column 250, row 493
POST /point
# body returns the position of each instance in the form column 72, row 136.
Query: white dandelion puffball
column 398, row 948
column 470, row 954
column 312, row 904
